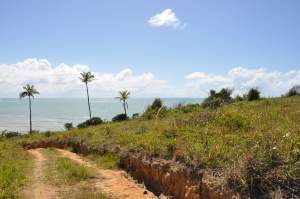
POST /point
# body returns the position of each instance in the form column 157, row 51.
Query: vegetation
column 29, row 91
column 254, row 145
column 216, row 99
column 68, row 126
column 15, row 164
column 91, row 122
column 107, row 161
column 87, row 77
column 253, row 94
column 120, row 117
column 123, row 97
column 155, row 110
column 295, row 90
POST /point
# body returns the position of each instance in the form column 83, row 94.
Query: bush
column 95, row 121
column 68, row 126
column 295, row 90
column 135, row 115
column 9, row 134
column 212, row 102
column 157, row 103
column 238, row 98
column 92, row 122
column 120, row 117
column 224, row 94
column 253, row 94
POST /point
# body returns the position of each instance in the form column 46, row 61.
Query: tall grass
column 14, row 165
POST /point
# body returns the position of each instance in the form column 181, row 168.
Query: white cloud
column 271, row 83
column 166, row 18
column 63, row 81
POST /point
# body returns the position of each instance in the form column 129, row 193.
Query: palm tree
column 85, row 78
column 29, row 91
column 123, row 97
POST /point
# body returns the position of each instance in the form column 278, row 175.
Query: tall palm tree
column 85, row 78
column 123, row 97
column 29, row 91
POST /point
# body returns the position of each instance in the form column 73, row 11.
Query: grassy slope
column 262, row 135
column 213, row 138
column 255, row 145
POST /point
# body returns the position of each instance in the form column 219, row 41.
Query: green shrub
column 120, row 117
column 295, row 90
column 212, row 102
column 82, row 125
column 157, row 103
column 92, row 122
column 253, row 94
column 239, row 98
column 68, row 126
column 189, row 108
column 9, row 134
column 155, row 113
column 95, row 121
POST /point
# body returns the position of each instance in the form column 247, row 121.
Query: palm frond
column 86, row 77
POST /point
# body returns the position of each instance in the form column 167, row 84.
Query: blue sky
column 213, row 37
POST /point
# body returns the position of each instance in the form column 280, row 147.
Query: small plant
column 135, row 115
column 120, row 117
column 157, row 103
column 68, row 126
column 253, row 94
column 92, row 122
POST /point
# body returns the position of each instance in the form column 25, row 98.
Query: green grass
column 62, row 170
column 14, row 167
column 108, row 161
column 72, row 172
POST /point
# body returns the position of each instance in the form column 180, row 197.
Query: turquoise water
column 52, row 114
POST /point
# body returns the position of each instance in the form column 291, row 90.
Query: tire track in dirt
column 38, row 189
column 113, row 183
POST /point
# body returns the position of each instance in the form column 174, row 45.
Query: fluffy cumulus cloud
column 166, row 18
column 62, row 80
column 271, row 83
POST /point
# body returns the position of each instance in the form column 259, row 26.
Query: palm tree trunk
column 87, row 92
column 124, row 106
column 30, row 121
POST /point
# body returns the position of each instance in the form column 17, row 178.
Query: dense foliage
column 120, row 117
column 91, row 122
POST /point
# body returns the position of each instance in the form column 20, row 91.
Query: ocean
column 53, row 113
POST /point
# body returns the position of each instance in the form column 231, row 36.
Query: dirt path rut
column 113, row 183
column 38, row 189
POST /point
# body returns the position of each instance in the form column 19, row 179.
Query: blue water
column 52, row 114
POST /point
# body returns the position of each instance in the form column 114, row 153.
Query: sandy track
column 38, row 189
column 113, row 183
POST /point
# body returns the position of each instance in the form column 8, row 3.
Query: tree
column 123, row 97
column 87, row 77
column 295, row 90
column 253, row 94
column 29, row 91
